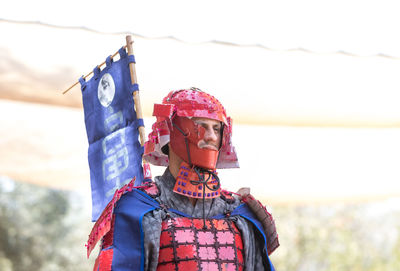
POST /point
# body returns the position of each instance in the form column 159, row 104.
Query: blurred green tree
column 37, row 229
column 339, row 237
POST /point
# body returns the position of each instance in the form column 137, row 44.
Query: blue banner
column 115, row 154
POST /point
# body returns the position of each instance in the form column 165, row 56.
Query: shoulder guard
column 227, row 196
column 150, row 188
column 104, row 224
column 266, row 220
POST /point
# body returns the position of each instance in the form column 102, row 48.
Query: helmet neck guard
column 195, row 182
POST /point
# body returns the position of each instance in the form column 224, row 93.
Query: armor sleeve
column 122, row 240
column 266, row 220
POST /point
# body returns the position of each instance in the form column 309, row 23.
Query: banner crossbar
column 90, row 73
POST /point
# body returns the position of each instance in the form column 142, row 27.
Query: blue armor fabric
column 138, row 220
column 115, row 154
column 128, row 231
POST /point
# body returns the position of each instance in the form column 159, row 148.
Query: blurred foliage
column 41, row 229
column 356, row 237
column 45, row 229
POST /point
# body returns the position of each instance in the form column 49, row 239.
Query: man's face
column 212, row 135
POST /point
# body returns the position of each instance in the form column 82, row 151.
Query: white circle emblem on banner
column 106, row 90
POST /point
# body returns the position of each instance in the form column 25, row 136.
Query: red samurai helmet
column 174, row 125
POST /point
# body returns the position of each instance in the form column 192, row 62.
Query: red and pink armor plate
column 186, row 245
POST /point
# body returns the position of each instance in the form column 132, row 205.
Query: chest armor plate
column 186, row 245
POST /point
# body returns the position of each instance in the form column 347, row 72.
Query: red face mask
column 185, row 135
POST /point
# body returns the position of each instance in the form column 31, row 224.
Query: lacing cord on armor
column 200, row 173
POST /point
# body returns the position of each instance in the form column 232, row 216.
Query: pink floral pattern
column 226, row 253
column 183, row 236
column 225, row 237
column 207, row 253
column 205, row 238
column 209, row 266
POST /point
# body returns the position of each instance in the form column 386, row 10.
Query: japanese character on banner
column 115, row 153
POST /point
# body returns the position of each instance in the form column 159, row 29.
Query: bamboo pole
column 136, row 97
column 138, row 107
column 87, row 75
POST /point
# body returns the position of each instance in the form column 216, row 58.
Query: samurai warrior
column 184, row 220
